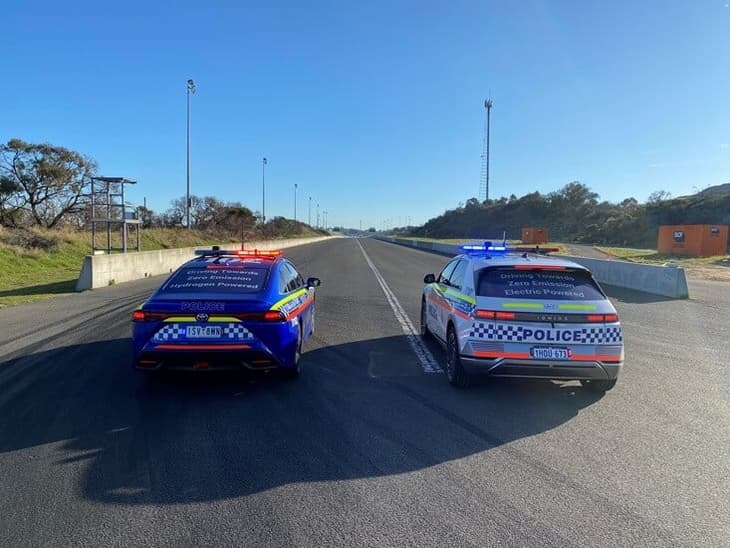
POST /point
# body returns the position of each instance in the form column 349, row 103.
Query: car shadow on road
column 192, row 438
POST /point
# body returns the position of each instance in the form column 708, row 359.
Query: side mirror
column 429, row 279
column 313, row 282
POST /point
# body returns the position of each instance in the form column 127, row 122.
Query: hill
column 717, row 190
column 575, row 214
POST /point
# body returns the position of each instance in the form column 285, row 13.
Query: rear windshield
column 217, row 279
column 563, row 285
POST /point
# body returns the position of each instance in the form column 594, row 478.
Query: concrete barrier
column 667, row 281
column 104, row 270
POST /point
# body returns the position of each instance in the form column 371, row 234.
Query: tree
column 578, row 194
column 472, row 203
column 42, row 181
column 175, row 214
column 237, row 217
column 206, row 212
column 146, row 216
column 11, row 202
column 658, row 196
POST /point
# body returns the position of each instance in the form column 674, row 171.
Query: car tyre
column 454, row 368
column 599, row 386
column 293, row 372
column 425, row 333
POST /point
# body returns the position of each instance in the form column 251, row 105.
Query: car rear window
column 562, row 285
column 217, row 279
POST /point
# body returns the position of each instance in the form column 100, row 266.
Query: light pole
column 488, row 105
column 309, row 217
column 324, row 220
column 263, row 190
column 190, row 89
column 295, row 202
column 485, row 152
column 317, row 214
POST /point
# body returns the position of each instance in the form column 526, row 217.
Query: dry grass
column 37, row 264
column 704, row 268
column 461, row 241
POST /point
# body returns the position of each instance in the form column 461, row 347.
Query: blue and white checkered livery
column 518, row 313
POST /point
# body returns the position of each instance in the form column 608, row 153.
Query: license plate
column 203, row 332
column 549, row 353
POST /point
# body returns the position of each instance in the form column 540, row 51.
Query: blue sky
column 375, row 109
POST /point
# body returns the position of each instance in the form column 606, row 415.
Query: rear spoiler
column 537, row 250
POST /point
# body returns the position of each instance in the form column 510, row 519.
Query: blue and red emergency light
column 488, row 248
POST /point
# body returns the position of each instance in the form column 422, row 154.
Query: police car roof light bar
column 218, row 252
column 488, row 248
column 259, row 253
column 483, row 249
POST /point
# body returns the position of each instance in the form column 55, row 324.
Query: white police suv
column 513, row 313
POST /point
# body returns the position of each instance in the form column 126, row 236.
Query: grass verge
column 706, row 268
column 39, row 264
column 461, row 241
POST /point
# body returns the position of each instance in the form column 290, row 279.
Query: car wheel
column 425, row 333
column 454, row 369
column 599, row 386
column 293, row 372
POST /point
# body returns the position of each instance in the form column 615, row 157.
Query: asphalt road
column 365, row 448
column 581, row 250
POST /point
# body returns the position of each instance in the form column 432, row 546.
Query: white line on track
column 426, row 359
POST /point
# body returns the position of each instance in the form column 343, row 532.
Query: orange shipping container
column 534, row 235
column 693, row 240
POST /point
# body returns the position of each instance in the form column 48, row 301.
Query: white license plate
column 203, row 332
column 548, row 353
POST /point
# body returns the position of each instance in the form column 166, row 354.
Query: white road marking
column 426, row 359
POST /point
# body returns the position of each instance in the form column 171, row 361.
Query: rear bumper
column 206, row 360
column 537, row 369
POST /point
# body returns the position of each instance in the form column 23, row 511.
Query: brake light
column 491, row 315
column 505, row 315
column 600, row 318
column 268, row 316
column 144, row 316
column 274, row 316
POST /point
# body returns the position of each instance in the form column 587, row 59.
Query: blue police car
column 227, row 310
column 516, row 313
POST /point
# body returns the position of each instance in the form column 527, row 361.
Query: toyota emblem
column 202, row 317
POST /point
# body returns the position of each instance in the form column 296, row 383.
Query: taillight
column 144, row 316
column 274, row 316
column 601, row 318
column 268, row 316
column 491, row 315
